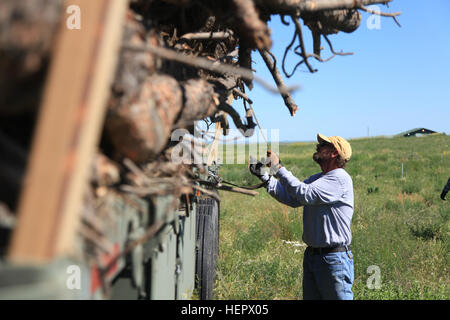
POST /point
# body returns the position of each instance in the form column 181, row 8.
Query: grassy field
column 401, row 226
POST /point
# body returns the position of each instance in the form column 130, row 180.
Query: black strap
column 254, row 187
column 328, row 249
column 257, row 186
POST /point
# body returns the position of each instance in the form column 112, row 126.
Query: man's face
column 324, row 152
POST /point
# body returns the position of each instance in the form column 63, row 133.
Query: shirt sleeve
column 325, row 190
column 276, row 190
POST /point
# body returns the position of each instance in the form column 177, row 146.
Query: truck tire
column 207, row 248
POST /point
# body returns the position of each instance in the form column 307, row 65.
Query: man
column 327, row 198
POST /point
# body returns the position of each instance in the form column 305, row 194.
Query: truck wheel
column 207, row 246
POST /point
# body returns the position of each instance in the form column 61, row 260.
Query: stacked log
column 139, row 130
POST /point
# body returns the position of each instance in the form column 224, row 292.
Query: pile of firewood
column 181, row 61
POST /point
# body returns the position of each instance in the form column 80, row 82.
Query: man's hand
column 256, row 167
column 273, row 161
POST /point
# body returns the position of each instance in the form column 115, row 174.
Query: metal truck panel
column 186, row 256
column 163, row 267
column 62, row 279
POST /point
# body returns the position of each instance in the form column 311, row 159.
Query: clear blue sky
column 397, row 79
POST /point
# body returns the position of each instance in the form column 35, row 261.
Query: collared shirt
column 327, row 200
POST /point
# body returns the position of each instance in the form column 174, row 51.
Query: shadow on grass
column 427, row 232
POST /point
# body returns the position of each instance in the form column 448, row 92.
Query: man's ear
column 334, row 154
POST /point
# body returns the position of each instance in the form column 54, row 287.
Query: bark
column 252, row 30
column 297, row 6
column 328, row 22
column 139, row 130
column 134, row 67
column 340, row 20
column 200, row 102
column 245, row 61
column 27, row 33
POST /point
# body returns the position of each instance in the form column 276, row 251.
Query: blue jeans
column 328, row 276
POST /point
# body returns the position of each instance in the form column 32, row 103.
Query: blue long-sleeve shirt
column 327, row 200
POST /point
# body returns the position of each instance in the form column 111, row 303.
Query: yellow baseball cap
column 342, row 146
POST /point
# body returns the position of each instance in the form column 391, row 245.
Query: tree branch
column 295, row 6
column 298, row 28
column 288, row 101
column 250, row 26
column 208, row 35
column 393, row 15
column 206, row 64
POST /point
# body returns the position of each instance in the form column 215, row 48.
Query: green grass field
column 399, row 225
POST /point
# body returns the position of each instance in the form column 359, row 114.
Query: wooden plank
column 68, row 130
